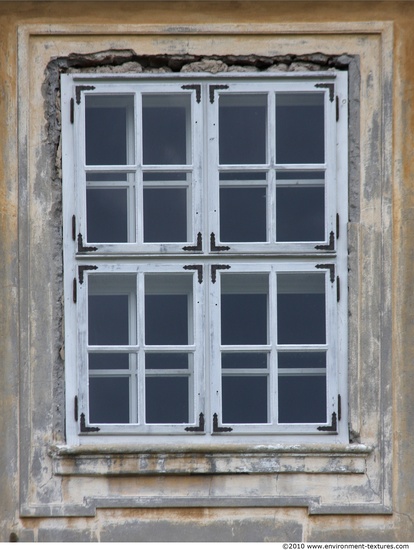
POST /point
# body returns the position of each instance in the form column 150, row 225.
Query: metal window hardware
column 72, row 110
column 214, row 269
column 331, row 88
column 79, row 90
column 198, row 247
column 214, row 247
column 196, row 87
column 82, row 248
column 331, row 268
column 86, row 429
column 338, row 289
column 198, row 268
column 339, row 408
column 199, row 428
column 214, row 87
column 332, row 428
column 83, row 268
column 75, row 291
column 217, row 428
column 330, row 245
column 337, row 226
column 337, row 108
column 74, row 228
column 76, row 408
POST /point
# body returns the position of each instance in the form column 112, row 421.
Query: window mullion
column 141, row 353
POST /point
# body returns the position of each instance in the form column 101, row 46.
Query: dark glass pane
column 300, row 214
column 244, row 319
column 106, row 176
column 166, row 319
column 108, row 320
column 109, row 400
column 107, row 215
column 302, row 399
column 166, row 361
column 302, row 360
column 243, row 214
column 165, row 126
column 165, row 176
column 244, row 360
column 301, row 309
column 242, row 129
column 165, row 215
column 244, row 309
column 106, row 361
column 106, row 129
column 300, row 134
column 167, row 400
column 244, row 399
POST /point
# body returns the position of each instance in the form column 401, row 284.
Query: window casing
column 205, row 255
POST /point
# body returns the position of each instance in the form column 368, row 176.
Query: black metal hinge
column 79, row 90
column 198, row 247
column 331, row 88
column 198, row 268
column 75, row 290
column 338, row 289
column 332, row 428
column 74, row 228
column 337, row 108
column 214, row 269
column 72, row 110
column 199, row 428
column 214, row 87
column 337, row 226
column 339, row 407
column 214, row 247
column 86, row 429
column 330, row 245
column 331, row 268
column 82, row 248
column 217, row 428
column 196, row 87
column 83, row 268
column 76, row 408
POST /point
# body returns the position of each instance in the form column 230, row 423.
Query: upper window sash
column 151, row 156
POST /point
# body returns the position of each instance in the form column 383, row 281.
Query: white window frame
column 270, row 257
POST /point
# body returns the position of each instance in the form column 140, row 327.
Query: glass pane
column 167, row 399
column 300, row 123
column 302, row 360
column 302, row 399
column 165, row 215
column 107, row 121
column 242, row 128
column 301, row 308
column 107, row 215
column 168, row 307
column 108, row 361
column 300, row 206
column 110, row 317
column 244, row 399
column 109, row 400
column 167, row 361
column 166, row 127
column 242, row 209
column 244, row 309
column 244, row 360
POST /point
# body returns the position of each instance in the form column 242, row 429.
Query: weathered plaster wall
column 37, row 504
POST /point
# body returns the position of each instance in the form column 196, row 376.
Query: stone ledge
column 229, row 459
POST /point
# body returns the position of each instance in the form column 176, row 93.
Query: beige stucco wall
column 43, row 496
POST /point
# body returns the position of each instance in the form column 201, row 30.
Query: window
column 205, row 256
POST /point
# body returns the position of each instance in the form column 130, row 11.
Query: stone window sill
column 193, row 459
